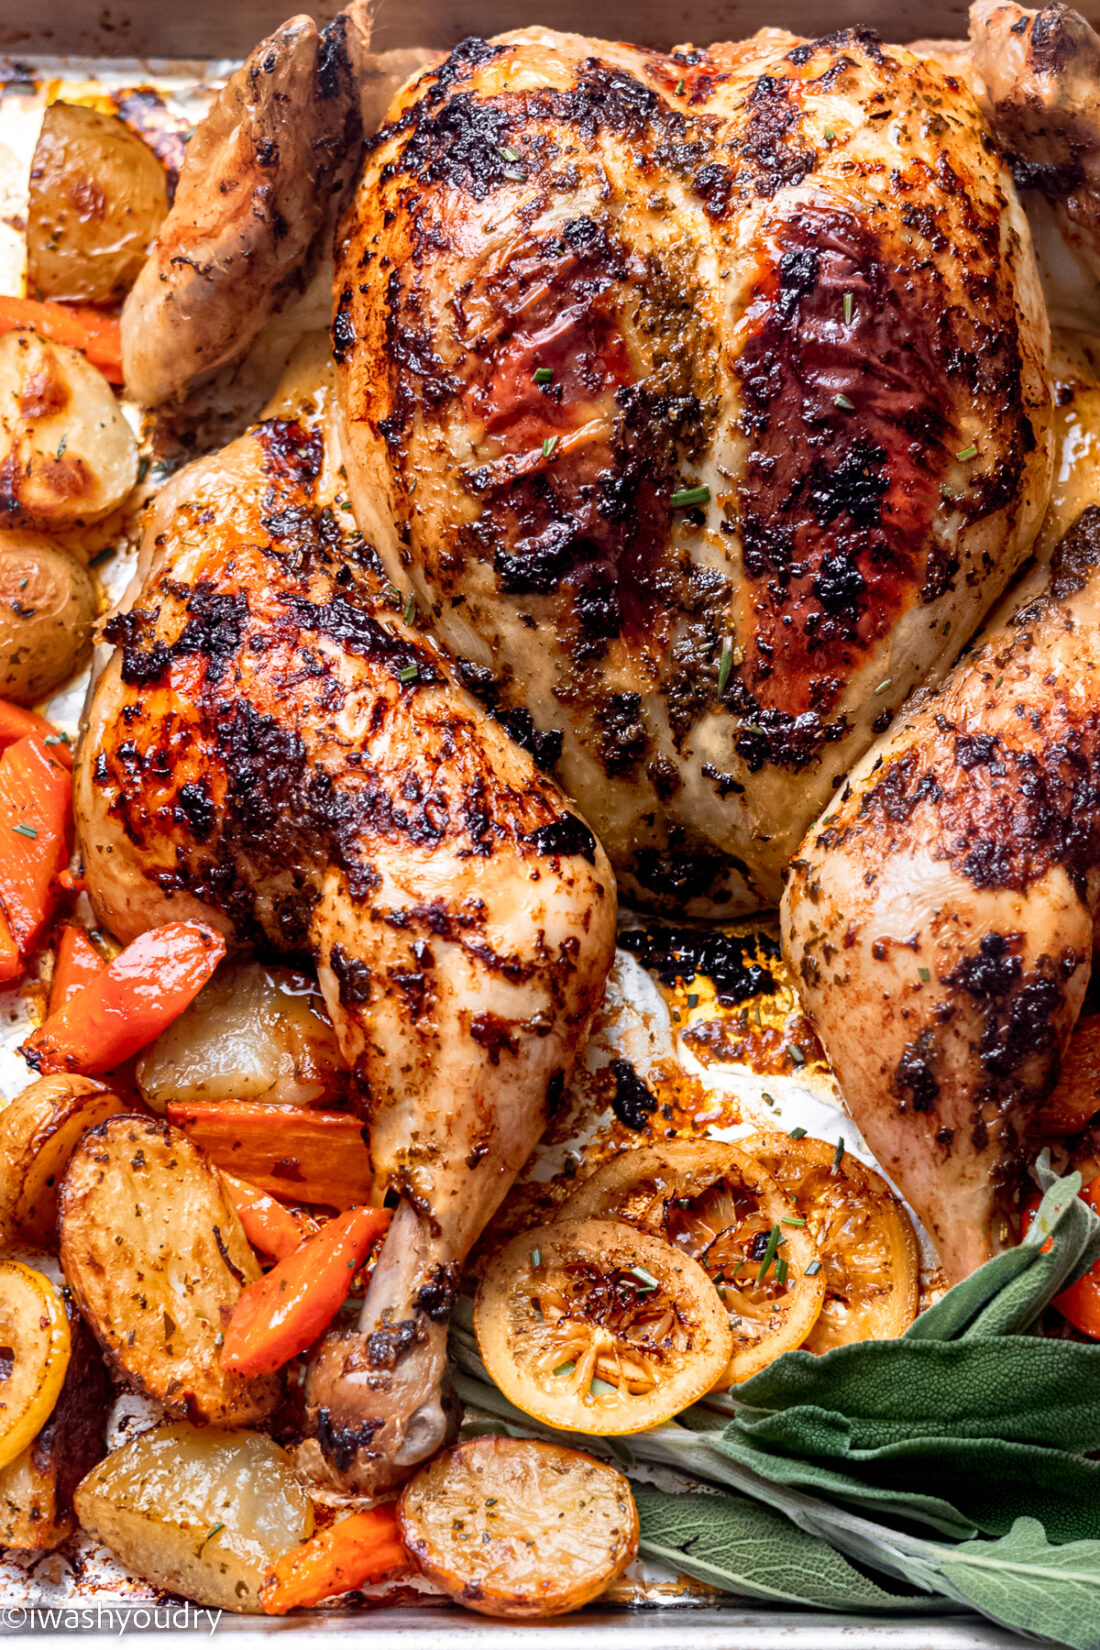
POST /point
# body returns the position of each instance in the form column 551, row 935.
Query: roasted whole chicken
column 274, row 750
column 705, row 400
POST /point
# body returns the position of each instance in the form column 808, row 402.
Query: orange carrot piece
column 36, row 794
column 132, row 1001
column 76, row 963
column 283, row 1312
column 79, row 326
column 11, row 963
column 268, row 1224
column 18, row 723
column 353, row 1552
column 291, row 1151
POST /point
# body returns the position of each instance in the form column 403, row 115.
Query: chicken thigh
column 273, row 750
column 939, row 916
column 704, row 398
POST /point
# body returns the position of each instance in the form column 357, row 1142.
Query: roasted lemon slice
column 34, row 1355
column 596, row 1327
column 513, row 1528
column 868, row 1249
column 720, row 1206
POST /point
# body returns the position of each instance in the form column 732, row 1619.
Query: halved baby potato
column 39, row 1131
column 719, row 1205
column 97, row 197
column 47, row 609
column 593, row 1326
column 870, row 1262
column 200, row 1512
column 514, row 1528
column 67, row 455
column 155, row 1255
column 35, row 1345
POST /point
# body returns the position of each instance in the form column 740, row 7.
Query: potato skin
column 67, row 454
column 47, row 609
column 36, row 1489
column 154, row 1253
column 98, row 195
column 199, row 1511
column 38, row 1131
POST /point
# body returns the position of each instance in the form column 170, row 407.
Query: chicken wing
column 273, row 749
column 1041, row 80
column 939, row 916
column 260, row 175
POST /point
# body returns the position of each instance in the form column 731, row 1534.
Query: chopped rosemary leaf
column 509, row 154
column 686, row 496
column 829, row 134
column 797, row 1134
column 646, row 1279
column 544, row 375
column 26, row 830
column 514, row 175
column 548, row 445
column 768, row 1099
column 884, row 685
column 536, row 1257
column 725, row 664
column 797, row 1055
column 781, row 1270
column 849, row 306
column 996, row 685
column 409, row 674
column 566, row 1368
column 793, row 1220
column 410, row 608
column 925, row 974
column 774, row 1239
column 838, row 1155
column 680, row 87
column 967, row 452
column 813, row 1269
column 215, row 1529
column 843, row 403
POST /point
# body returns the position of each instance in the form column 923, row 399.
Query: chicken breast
column 939, row 916
column 704, row 398
column 275, row 750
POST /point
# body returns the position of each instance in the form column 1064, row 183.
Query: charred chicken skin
column 939, row 917
column 704, row 398
column 272, row 749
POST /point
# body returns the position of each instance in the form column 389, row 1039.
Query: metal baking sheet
column 724, row 1069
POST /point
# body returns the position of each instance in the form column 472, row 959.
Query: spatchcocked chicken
column 271, row 749
column 704, row 399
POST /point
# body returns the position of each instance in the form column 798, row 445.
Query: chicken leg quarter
column 271, row 749
column 939, row 916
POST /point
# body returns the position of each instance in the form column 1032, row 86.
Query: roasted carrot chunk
column 132, row 1001
column 18, row 723
column 35, row 813
column 290, row 1151
column 351, row 1553
column 76, row 964
column 283, row 1312
column 98, row 336
column 268, row 1224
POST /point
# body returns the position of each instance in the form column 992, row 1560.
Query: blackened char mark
column 633, row 1102
column 340, row 1444
column 361, row 633
column 353, row 976
column 915, row 1084
column 677, row 954
column 214, row 628
column 564, row 837
column 769, row 146
column 848, row 441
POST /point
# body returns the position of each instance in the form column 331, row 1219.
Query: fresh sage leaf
column 742, row 1547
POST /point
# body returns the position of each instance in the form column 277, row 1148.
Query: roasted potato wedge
column 98, row 195
column 47, row 609
column 253, row 1033
column 154, row 1253
column 34, row 1335
column 39, row 1130
column 203, row 1512
column 36, row 1489
column 67, row 455
column 514, row 1528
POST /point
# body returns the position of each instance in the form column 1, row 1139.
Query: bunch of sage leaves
column 948, row 1468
